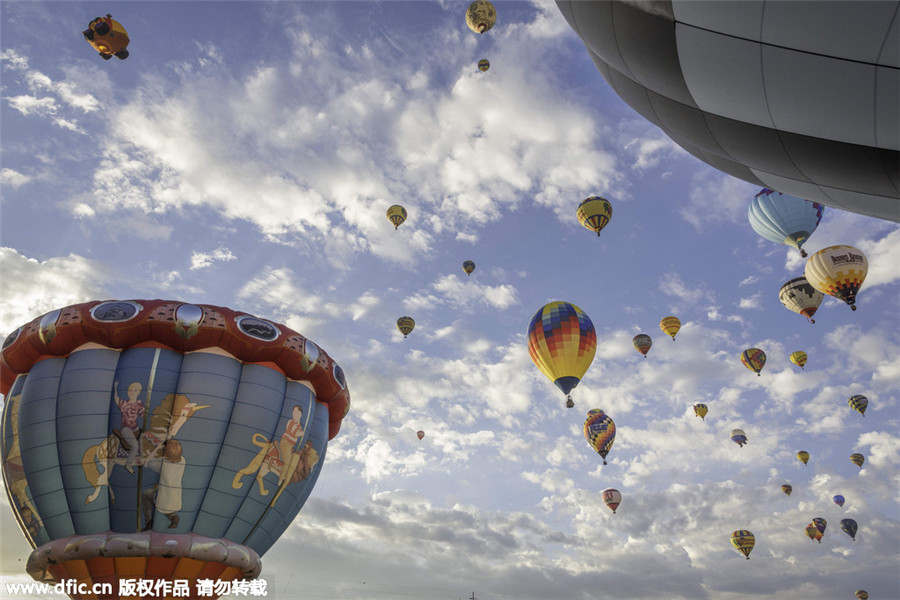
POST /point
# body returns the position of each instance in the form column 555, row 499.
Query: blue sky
column 244, row 155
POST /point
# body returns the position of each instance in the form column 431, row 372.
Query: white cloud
column 202, row 260
column 13, row 178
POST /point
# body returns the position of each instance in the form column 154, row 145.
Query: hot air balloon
column 562, row 343
column 642, row 343
column 799, row 296
column 857, row 459
column 859, row 404
column 161, row 439
column 862, row 595
column 406, row 325
column 838, row 271
column 839, row 500
column 396, row 214
column 612, row 498
column 787, row 489
column 744, row 541
column 784, row 219
column 803, row 456
column 481, row 16
column 700, row 410
column 670, row 326
column 468, row 267
column 738, row 437
column 813, row 533
column 600, row 432
column 484, row 64
column 754, row 359
column 108, row 37
column 420, row 434
column 594, row 213
column 799, row 358
column 742, row 91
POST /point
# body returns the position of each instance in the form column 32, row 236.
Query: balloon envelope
column 799, row 358
column 481, row 16
column 858, row 459
column 420, row 434
column 803, row 455
column 799, row 296
column 562, row 343
column 754, row 359
column 468, row 266
column 594, row 213
column 838, row 271
column 738, row 437
column 670, row 326
column 642, row 343
column 612, row 498
column 701, row 410
column 484, row 64
column 396, row 214
column 172, row 429
column 744, row 541
column 859, row 404
column 787, row 489
column 813, row 533
column 839, row 500
column 784, row 219
column 406, row 325
column 600, row 432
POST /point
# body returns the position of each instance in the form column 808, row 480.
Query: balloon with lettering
column 784, row 219
column 468, row 266
column 838, row 271
column 839, row 500
column 799, row 296
column 799, row 358
column 803, row 456
column 754, row 359
column 612, row 498
column 642, row 343
column 701, row 410
column 670, row 326
column 858, row 459
column 594, row 213
column 481, row 16
column 744, row 541
column 406, row 325
column 396, row 214
column 161, row 439
column 562, row 343
column 738, row 437
column 787, row 488
column 600, row 432
column 859, row 404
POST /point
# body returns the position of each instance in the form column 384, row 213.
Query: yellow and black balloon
column 406, row 325
column 468, row 266
column 483, row 65
column 838, row 271
column 670, row 326
column 562, row 343
column 481, row 16
column 594, row 213
column 744, row 541
column 396, row 214
column 754, row 359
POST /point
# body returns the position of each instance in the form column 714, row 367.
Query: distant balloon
column 738, row 437
column 642, row 343
column 420, row 434
column 612, row 498
column 839, row 500
column 600, row 432
column 784, row 219
column 801, row 297
column 670, row 326
column 744, row 541
column 468, row 267
column 803, row 456
column 859, row 404
column 820, row 524
column 396, row 214
column 858, row 459
column 799, row 358
column 481, row 16
column 700, row 410
column 754, row 359
column 862, row 595
column 838, row 271
column 405, row 325
column 787, row 488
column 562, row 343
column 594, row 213
column 813, row 533
column 484, row 64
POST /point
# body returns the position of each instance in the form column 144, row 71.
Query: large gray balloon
column 800, row 97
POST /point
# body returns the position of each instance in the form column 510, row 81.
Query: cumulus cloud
column 203, row 260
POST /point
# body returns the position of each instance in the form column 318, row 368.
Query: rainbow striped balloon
column 562, row 343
